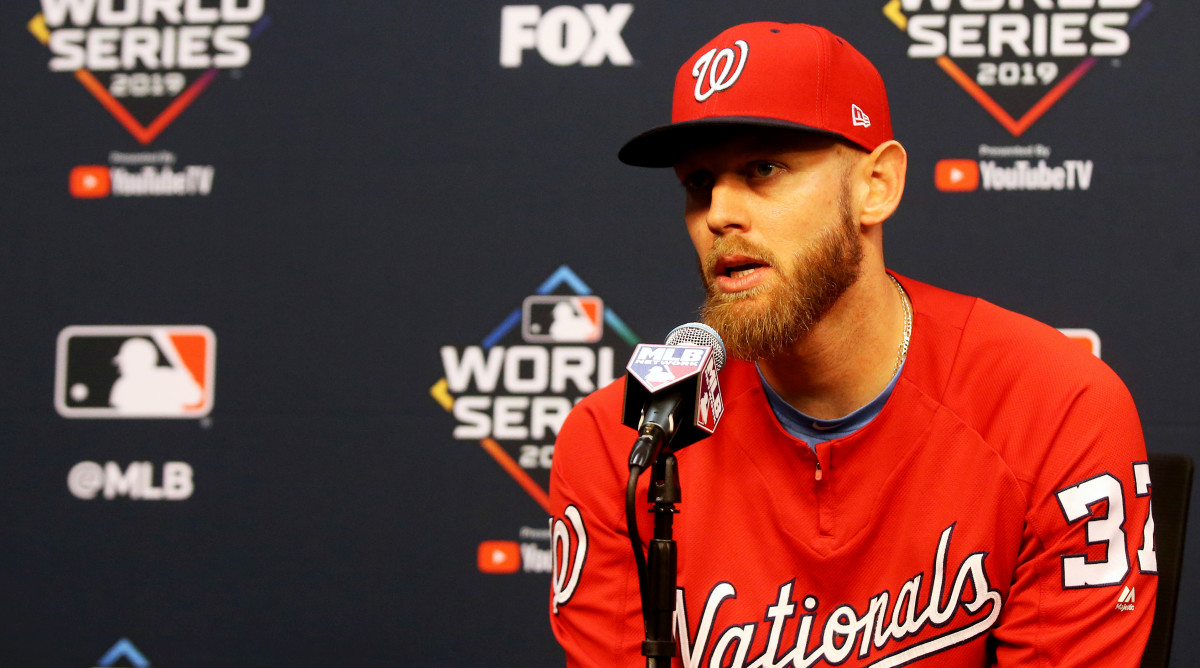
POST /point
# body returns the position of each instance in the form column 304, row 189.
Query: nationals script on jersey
column 996, row 512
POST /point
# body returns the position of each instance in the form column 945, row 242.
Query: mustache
column 734, row 245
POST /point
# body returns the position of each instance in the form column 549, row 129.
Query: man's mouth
column 741, row 270
column 736, row 273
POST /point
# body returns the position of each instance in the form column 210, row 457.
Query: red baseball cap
column 783, row 75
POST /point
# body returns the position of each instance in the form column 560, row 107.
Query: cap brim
column 666, row 145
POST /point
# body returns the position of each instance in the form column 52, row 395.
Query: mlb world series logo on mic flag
column 656, row 368
column 511, row 393
column 1017, row 58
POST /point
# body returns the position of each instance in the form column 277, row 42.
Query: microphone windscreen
column 699, row 334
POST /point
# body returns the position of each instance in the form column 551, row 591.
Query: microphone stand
column 677, row 414
column 658, row 586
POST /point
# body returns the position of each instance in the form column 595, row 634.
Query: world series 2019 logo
column 146, row 61
column 512, row 392
column 1017, row 58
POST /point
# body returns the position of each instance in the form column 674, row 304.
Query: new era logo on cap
column 956, row 176
column 859, row 117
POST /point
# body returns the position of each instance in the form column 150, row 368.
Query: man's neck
column 849, row 357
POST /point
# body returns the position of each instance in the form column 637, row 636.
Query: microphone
column 671, row 392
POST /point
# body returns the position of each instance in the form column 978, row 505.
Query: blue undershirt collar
column 814, row 431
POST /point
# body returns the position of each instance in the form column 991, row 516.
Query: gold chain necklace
column 902, row 353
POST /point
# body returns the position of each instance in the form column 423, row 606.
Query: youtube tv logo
column 90, row 182
column 956, row 176
column 499, row 556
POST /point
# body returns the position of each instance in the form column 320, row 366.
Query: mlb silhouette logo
column 118, row 371
column 562, row 319
column 1085, row 338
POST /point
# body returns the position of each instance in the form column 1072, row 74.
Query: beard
column 768, row 319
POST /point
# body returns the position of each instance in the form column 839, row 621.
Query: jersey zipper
column 821, row 489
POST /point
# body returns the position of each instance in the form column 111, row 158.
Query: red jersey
column 995, row 512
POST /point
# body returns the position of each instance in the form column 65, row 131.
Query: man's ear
column 883, row 171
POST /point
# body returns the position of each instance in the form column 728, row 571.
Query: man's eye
column 764, row 169
column 700, row 180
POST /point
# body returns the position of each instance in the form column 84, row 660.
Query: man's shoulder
column 972, row 336
column 1038, row 398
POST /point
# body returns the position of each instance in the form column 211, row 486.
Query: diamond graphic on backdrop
column 149, row 70
column 108, row 371
column 124, row 649
column 1024, row 57
column 512, row 392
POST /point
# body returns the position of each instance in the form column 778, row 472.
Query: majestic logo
column 146, row 61
column 135, row 371
column 512, row 392
column 1025, row 54
column 565, row 35
column 872, row 628
column 1125, row 602
column 718, row 70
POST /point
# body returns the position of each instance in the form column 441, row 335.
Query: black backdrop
column 385, row 195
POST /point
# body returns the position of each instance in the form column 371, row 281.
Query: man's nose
column 727, row 211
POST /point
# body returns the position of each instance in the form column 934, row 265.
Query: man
column 902, row 475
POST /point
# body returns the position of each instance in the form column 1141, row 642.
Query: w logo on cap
column 718, row 70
